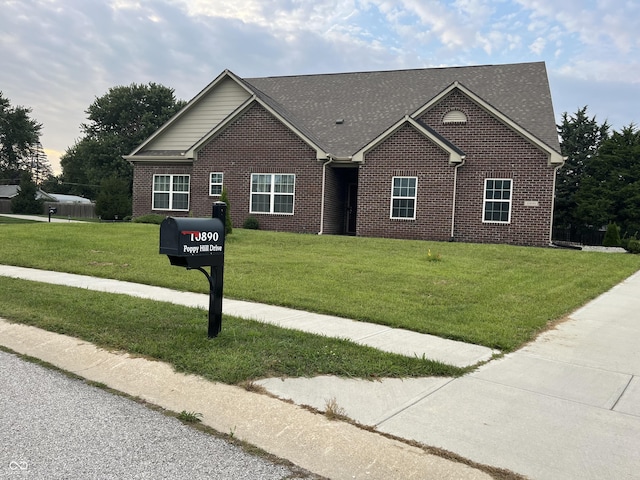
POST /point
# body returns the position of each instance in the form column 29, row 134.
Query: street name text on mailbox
column 192, row 242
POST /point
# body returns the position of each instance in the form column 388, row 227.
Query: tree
column 581, row 138
column 610, row 189
column 114, row 199
column 117, row 123
column 40, row 167
column 19, row 136
column 26, row 201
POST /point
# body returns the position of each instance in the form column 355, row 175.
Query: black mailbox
column 52, row 211
column 195, row 243
column 192, row 242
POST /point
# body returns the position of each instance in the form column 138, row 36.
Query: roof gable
column 456, row 156
column 203, row 112
column 554, row 157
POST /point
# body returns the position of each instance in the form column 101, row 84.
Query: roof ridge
column 398, row 70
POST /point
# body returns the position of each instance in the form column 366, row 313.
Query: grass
column 189, row 417
column 500, row 296
column 245, row 350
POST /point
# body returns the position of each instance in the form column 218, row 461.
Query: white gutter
column 455, row 189
column 324, row 173
column 553, row 200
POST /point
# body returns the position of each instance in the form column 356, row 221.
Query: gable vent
column 454, row 116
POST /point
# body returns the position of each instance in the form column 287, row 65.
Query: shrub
column 612, row 236
column 113, row 201
column 251, row 223
column 151, row 218
column 633, row 246
column 228, row 227
column 26, row 202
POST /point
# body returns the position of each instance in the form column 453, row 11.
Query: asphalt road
column 55, row 427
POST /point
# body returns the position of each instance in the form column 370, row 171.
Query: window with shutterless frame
column 215, row 184
column 171, row 192
column 403, row 197
column 272, row 193
column 497, row 200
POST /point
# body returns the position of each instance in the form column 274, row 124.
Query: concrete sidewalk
column 383, row 338
column 566, row 406
column 38, row 218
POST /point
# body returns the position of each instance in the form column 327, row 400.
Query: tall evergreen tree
column 610, row 189
column 580, row 139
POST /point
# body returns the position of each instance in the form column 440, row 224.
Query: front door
column 352, row 209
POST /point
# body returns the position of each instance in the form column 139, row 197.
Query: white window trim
column 485, row 200
column 212, row 184
column 272, row 194
column 170, row 192
column 414, row 198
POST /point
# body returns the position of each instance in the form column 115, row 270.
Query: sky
column 58, row 56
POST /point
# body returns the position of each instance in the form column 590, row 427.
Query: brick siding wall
column 258, row 143
column 143, row 186
column 495, row 151
column 406, row 153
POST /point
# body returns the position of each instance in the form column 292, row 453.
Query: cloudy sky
column 57, row 56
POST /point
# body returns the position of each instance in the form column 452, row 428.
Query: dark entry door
column 352, row 208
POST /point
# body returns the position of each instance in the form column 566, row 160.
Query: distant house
column 7, row 192
column 466, row 154
column 63, row 198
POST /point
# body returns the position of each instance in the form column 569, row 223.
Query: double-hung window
column 215, row 184
column 272, row 193
column 171, row 192
column 497, row 200
column 403, row 197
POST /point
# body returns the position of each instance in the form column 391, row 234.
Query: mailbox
column 195, row 243
column 192, row 242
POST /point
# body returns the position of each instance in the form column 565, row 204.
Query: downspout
column 324, row 175
column 553, row 201
column 455, row 189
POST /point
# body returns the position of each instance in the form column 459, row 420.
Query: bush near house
column 612, row 236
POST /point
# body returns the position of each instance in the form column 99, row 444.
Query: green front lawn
column 245, row 350
column 496, row 295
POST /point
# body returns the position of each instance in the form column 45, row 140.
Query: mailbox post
column 195, row 243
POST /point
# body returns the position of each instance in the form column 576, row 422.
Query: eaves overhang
column 554, row 158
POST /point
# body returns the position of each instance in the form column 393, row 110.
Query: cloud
column 538, row 45
column 59, row 55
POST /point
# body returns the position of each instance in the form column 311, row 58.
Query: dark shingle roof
column 369, row 102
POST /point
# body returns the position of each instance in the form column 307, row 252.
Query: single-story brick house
column 466, row 154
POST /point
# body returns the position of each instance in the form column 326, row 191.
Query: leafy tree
column 610, row 190
column 580, row 139
column 117, row 123
column 114, row 199
column 26, row 202
column 19, row 136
